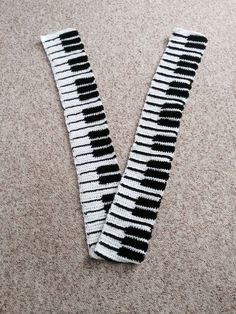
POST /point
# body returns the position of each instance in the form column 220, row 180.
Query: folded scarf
column 120, row 210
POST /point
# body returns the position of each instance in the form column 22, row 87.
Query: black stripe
column 69, row 34
column 87, row 127
column 108, row 234
column 130, row 254
column 108, row 168
column 175, row 77
column 65, row 78
column 144, row 213
column 156, row 185
column 108, row 246
column 156, row 174
column 139, row 233
column 149, row 154
column 179, row 35
column 126, row 196
column 153, row 104
column 159, row 164
column 185, row 50
column 110, row 178
column 165, row 98
column 97, row 220
column 163, row 148
column 130, row 220
column 114, row 225
column 89, row 95
column 103, row 256
column 94, row 161
column 71, row 54
column 137, row 244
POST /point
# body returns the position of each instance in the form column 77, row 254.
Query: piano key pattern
column 93, row 153
column 129, row 224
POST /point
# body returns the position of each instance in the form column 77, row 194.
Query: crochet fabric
column 120, row 210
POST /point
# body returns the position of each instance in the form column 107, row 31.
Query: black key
column 164, row 138
column 98, row 133
column 147, row 202
column 184, row 72
column 172, row 106
column 73, row 48
column 106, row 198
column 71, row 41
column 144, row 213
column 80, row 67
column 130, row 254
column 169, row 123
column 156, row 185
column 177, row 92
column 88, row 96
column 139, row 233
column 80, row 59
column 197, row 38
column 180, row 85
column 188, row 65
column 103, row 151
column 137, row 244
column 156, row 174
column 92, row 110
column 159, row 164
column 194, row 45
column 101, row 142
column 170, row 114
column 86, row 88
column 190, row 58
column 110, row 178
column 107, row 168
column 69, row 34
column 94, row 118
column 85, row 80
column 163, row 148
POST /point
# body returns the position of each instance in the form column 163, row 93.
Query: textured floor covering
column 44, row 268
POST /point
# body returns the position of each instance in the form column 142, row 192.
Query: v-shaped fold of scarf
column 120, row 210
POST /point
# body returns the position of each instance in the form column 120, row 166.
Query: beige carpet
column 44, row 267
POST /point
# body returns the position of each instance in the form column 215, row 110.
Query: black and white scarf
column 120, row 209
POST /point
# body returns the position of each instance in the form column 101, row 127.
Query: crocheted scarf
column 120, row 210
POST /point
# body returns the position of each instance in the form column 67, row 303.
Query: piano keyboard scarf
column 120, row 211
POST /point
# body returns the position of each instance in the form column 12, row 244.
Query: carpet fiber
column 44, row 266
